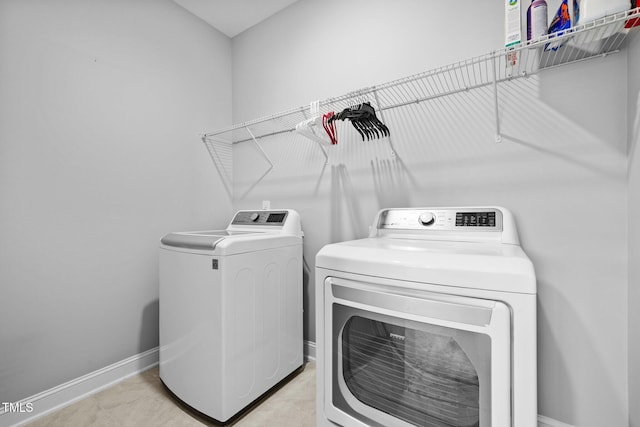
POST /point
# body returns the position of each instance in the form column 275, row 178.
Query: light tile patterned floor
column 143, row 401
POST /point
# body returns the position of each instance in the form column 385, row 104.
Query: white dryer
column 231, row 310
column 430, row 321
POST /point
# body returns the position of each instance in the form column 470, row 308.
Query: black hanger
column 364, row 120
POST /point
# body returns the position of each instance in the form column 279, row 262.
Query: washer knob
column 426, row 218
column 254, row 216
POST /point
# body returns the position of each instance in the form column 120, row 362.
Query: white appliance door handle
column 461, row 310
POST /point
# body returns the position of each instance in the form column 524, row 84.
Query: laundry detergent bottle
column 537, row 20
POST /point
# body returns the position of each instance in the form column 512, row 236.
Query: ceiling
column 232, row 17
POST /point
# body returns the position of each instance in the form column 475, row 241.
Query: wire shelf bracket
column 266, row 157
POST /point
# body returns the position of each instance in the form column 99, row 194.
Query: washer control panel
column 260, row 218
column 442, row 219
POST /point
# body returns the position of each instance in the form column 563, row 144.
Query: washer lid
column 478, row 265
column 206, row 240
column 228, row 242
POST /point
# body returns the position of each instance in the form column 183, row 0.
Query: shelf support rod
column 260, row 148
column 495, row 98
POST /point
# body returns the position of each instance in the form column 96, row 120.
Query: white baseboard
column 77, row 389
column 550, row 422
column 309, row 350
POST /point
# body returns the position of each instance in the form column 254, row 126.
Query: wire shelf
column 593, row 39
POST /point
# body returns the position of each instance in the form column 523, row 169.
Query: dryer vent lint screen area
column 421, row 377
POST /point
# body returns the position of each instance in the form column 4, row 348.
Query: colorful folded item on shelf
column 560, row 22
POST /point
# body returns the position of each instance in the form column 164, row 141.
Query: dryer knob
column 254, row 216
column 426, row 218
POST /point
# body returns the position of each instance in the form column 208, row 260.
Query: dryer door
column 401, row 356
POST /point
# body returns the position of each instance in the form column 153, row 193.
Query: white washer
column 231, row 310
column 430, row 321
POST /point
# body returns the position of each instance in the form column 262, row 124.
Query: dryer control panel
column 463, row 224
column 442, row 219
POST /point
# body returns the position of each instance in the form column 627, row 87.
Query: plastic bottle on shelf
column 537, row 20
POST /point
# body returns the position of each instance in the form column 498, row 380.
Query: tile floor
column 143, row 400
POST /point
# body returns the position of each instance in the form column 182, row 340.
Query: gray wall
column 100, row 106
column 562, row 168
column 634, row 230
